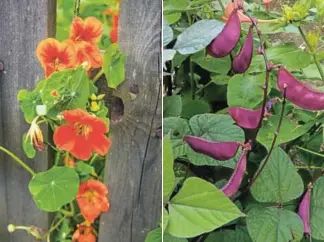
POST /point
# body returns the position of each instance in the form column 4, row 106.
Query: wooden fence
column 133, row 171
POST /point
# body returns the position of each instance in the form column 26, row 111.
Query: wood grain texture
column 134, row 167
column 23, row 25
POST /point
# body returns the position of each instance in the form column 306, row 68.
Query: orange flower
column 82, row 134
column 55, row 56
column 114, row 30
column 35, row 135
column 85, row 34
column 84, row 234
column 92, row 199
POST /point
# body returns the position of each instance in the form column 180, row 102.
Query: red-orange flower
column 82, row 134
column 114, row 30
column 267, row 3
column 84, row 234
column 55, row 56
column 85, row 34
column 92, row 199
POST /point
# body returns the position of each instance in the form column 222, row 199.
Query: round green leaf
column 54, row 188
column 316, row 209
column 167, row 33
column 214, row 127
column 245, row 90
column 198, row 36
column 274, row 225
column 279, row 181
column 239, row 235
column 165, row 220
column 199, row 207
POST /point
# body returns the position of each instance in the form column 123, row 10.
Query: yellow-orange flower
column 55, row 56
column 84, row 234
column 92, row 199
column 85, row 34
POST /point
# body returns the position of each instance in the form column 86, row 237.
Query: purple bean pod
column 304, row 211
column 227, row 39
column 217, row 150
column 298, row 93
column 233, row 184
column 243, row 60
column 245, row 118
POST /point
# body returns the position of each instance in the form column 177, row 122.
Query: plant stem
column 54, row 227
column 77, row 8
column 317, row 63
column 207, row 85
column 93, row 159
column 310, row 151
column 57, row 158
column 192, row 82
column 276, row 133
column 99, row 74
column 308, row 167
column 268, row 70
column 19, row 161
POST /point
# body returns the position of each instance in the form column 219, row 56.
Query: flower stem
column 77, row 8
column 192, row 83
column 55, row 226
column 19, row 161
column 308, row 167
column 317, row 63
column 93, row 159
column 99, row 74
column 276, row 133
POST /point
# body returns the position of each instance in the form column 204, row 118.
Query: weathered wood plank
column 133, row 171
column 23, row 25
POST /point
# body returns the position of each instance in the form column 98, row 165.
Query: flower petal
column 64, row 137
column 81, row 149
column 99, row 143
column 72, row 116
column 89, row 30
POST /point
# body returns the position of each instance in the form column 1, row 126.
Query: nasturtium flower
column 55, row 56
column 83, row 234
column 85, row 34
column 82, row 134
column 35, row 135
column 92, row 199
column 114, row 31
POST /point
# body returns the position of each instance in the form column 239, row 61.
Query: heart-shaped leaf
column 274, row 224
column 168, row 173
column 316, row 209
column 279, row 181
column 199, row 207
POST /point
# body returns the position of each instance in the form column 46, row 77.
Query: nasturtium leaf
column 114, row 66
column 54, row 188
column 288, row 131
column 198, row 36
column 316, row 209
column 199, row 207
column 193, row 107
column 177, row 128
column 274, row 224
column 172, row 18
column 28, row 147
column 84, row 169
column 172, row 106
column 209, row 63
column 170, row 238
column 28, row 101
column 279, row 181
column 214, row 127
column 239, row 235
column 66, row 90
column 167, row 33
column 154, row 236
column 293, row 57
column 245, row 90
column 168, row 173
